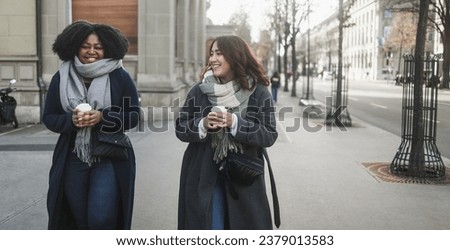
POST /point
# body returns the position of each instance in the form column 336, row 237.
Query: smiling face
column 221, row 68
column 91, row 50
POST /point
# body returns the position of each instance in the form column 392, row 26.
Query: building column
column 156, row 76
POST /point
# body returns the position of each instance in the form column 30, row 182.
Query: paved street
column 379, row 103
column 321, row 175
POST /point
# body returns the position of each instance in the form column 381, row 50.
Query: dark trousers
column 92, row 193
column 274, row 94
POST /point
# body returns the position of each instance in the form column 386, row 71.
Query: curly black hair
column 67, row 44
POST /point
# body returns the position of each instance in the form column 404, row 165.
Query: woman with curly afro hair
column 88, row 191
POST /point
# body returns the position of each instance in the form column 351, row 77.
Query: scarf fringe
column 83, row 146
column 222, row 144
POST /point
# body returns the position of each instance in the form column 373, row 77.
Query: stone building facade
column 364, row 42
column 166, row 54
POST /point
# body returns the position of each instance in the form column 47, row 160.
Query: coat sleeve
column 54, row 116
column 125, row 111
column 191, row 113
column 258, row 128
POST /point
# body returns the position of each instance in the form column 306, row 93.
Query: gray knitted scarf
column 73, row 92
column 234, row 98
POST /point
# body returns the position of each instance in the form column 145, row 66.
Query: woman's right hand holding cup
column 215, row 119
column 80, row 112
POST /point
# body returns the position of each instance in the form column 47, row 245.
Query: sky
column 221, row 11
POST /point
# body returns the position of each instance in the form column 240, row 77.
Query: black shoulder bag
column 111, row 145
column 244, row 169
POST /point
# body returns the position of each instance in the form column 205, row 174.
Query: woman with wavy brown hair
column 230, row 110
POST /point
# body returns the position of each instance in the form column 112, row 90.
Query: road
column 380, row 104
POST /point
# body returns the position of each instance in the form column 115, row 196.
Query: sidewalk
column 321, row 176
column 325, row 184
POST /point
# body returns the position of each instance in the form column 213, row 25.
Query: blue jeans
column 274, row 94
column 92, row 193
column 219, row 206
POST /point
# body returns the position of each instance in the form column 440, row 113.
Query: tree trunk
column 416, row 163
column 400, row 59
column 446, row 58
column 308, row 54
column 294, row 69
column 329, row 61
column 278, row 55
column 286, row 46
column 285, row 68
column 293, row 56
column 339, row 76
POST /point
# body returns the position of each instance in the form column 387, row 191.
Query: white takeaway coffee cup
column 84, row 107
column 222, row 109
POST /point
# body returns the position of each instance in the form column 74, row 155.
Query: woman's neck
column 225, row 80
column 87, row 81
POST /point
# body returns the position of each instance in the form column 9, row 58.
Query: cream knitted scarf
column 234, row 98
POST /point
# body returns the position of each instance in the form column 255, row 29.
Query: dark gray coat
column 124, row 115
column 199, row 172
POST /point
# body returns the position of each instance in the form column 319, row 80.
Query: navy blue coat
column 199, row 172
column 124, row 114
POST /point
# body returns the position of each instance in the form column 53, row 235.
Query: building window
column 387, row 14
column 121, row 14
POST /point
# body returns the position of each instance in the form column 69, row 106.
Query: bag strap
column 276, row 205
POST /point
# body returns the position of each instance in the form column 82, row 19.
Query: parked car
column 330, row 75
column 327, row 75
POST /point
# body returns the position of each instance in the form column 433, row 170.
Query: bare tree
column 275, row 26
column 263, row 48
column 343, row 17
column 442, row 26
column 330, row 46
column 426, row 10
column 285, row 41
column 286, row 21
column 240, row 21
column 438, row 17
column 402, row 34
column 299, row 14
column 278, row 24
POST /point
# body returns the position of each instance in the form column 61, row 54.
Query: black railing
column 337, row 113
column 429, row 164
